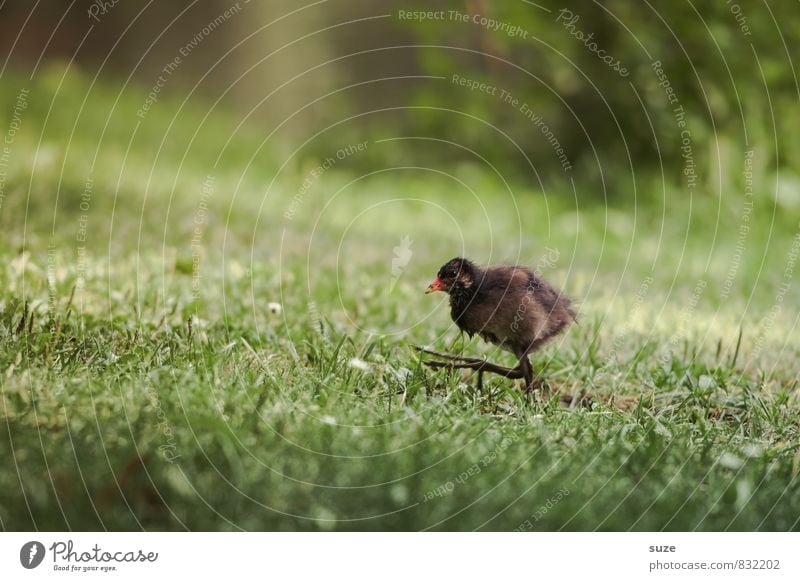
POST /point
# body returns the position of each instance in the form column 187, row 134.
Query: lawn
column 146, row 381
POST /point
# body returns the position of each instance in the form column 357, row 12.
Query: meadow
column 149, row 382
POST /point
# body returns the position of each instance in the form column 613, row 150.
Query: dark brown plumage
column 508, row 306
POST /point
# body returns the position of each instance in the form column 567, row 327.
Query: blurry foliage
column 355, row 71
column 739, row 91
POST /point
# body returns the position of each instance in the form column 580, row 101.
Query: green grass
column 161, row 393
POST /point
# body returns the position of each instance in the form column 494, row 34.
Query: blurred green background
column 357, row 70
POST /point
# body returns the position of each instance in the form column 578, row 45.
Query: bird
column 508, row 306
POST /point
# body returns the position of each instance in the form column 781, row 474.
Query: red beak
column 436, row 285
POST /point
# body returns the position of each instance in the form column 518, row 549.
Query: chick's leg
column 480, row 365
column 531, row 380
